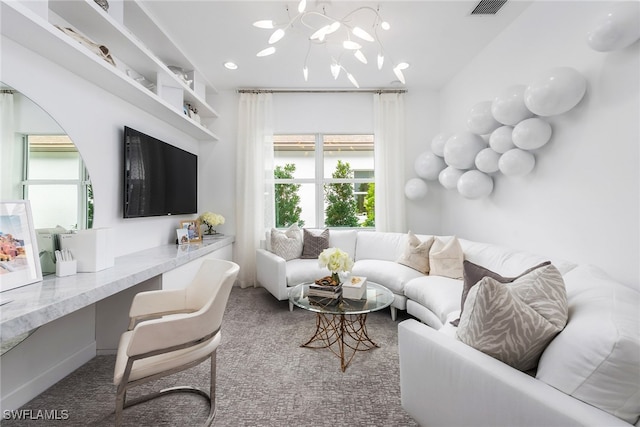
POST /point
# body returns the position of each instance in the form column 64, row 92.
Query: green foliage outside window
column 341, row 203
column 370, row 206
column 287, row 200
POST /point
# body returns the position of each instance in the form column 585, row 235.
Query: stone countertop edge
column 38, row 303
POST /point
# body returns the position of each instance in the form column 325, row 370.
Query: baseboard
column 46, row 379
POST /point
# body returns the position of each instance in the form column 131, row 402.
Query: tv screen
column 159, row 179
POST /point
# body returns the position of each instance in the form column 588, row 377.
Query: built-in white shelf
column 33, row 31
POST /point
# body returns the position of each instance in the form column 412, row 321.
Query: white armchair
column 174, row 330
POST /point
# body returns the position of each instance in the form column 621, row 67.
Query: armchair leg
column 212, row 391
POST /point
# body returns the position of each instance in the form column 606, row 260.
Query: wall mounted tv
column 159, row 179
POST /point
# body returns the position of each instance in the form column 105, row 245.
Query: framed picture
column 19, row 260
column 183, row 236
column 193, row 230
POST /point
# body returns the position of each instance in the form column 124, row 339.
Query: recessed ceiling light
column 231, row 65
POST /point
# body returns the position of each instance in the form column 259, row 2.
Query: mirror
column 41, row 163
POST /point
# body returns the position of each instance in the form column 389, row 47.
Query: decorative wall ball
column 501, row 139
column 449, row 177
column 428, row 165
column 618, row 29
column 516, row 162
column 481, row 121
column 475, row 185
column 556, row 91
column 487, row 161
column 437, row 143
column 415, row 189
column 509, row 107
column 461, row 149
column 531, row 134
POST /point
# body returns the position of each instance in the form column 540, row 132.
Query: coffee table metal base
column 343, row 334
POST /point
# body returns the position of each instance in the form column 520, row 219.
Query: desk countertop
column 25, row 308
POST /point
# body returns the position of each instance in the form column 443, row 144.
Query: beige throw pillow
column 287, row 244
column 446, row 258
column 515, row 322
column 416, row 253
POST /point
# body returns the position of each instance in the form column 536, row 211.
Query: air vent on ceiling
column 488, row 7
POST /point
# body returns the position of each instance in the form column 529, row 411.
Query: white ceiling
column 437, row 39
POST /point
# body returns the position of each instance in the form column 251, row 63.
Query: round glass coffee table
column 342, row 324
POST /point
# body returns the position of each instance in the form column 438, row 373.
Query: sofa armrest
column 271, row 273
column 444, row 382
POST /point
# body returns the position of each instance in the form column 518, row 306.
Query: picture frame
column 183, row 236
column 193, row 230
column 19, row 259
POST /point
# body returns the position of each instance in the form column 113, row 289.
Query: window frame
column 319, row 180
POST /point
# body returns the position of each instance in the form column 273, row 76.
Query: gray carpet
column 264, row 378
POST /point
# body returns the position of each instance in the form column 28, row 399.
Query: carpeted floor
column 264, row 378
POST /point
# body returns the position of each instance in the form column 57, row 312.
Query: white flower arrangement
column 211, row 220
column 335, row 260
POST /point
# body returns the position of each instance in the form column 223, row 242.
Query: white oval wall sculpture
column 487, row 161
column 437, row 144
column 481, row 121
column 475, row 185
column 516, row 162
column 556, row 91
column 449, row 177
column 428, row 165
column 532, row 133
column 501, row 139
column 461, row 149
column 415, row 189
column 509, row 108
column 617, row 29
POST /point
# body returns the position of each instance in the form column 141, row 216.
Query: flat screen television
column 159, row 179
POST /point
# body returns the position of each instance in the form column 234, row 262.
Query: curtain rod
column 322, row 91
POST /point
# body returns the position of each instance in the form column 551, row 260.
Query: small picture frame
column 193, row 230
column 183, row 236
column 19, row 260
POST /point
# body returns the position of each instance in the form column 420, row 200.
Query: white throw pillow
column 416, row 253
column 287, row 244
column 446, row 258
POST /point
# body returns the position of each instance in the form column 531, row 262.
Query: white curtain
column 8, row 147
column 389, row 162
column 254, row 191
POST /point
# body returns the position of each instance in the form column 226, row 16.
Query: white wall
column 581, row 200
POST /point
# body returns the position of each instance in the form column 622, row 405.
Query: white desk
column 39, row 303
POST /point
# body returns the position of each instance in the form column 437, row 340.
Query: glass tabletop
column 377, row 298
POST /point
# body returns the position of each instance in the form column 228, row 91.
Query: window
column 54, row 175
column 324, row 180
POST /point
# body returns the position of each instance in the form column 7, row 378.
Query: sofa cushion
column 344, row 240
column 473, row 273
column 379, row 245
column 389, row 274
column 287, row 244
column 416, row 253
column 597, row 357
column 446, row 257
column 304, row 270
column 441, row 295
column 515, row 322
column 314, row 242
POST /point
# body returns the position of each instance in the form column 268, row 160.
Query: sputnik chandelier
column 322, row 29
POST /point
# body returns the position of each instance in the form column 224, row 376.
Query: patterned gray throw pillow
column 314, row 242
column 515, row 322
column 287, row 244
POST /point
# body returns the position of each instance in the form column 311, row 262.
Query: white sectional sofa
column 589, row 374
